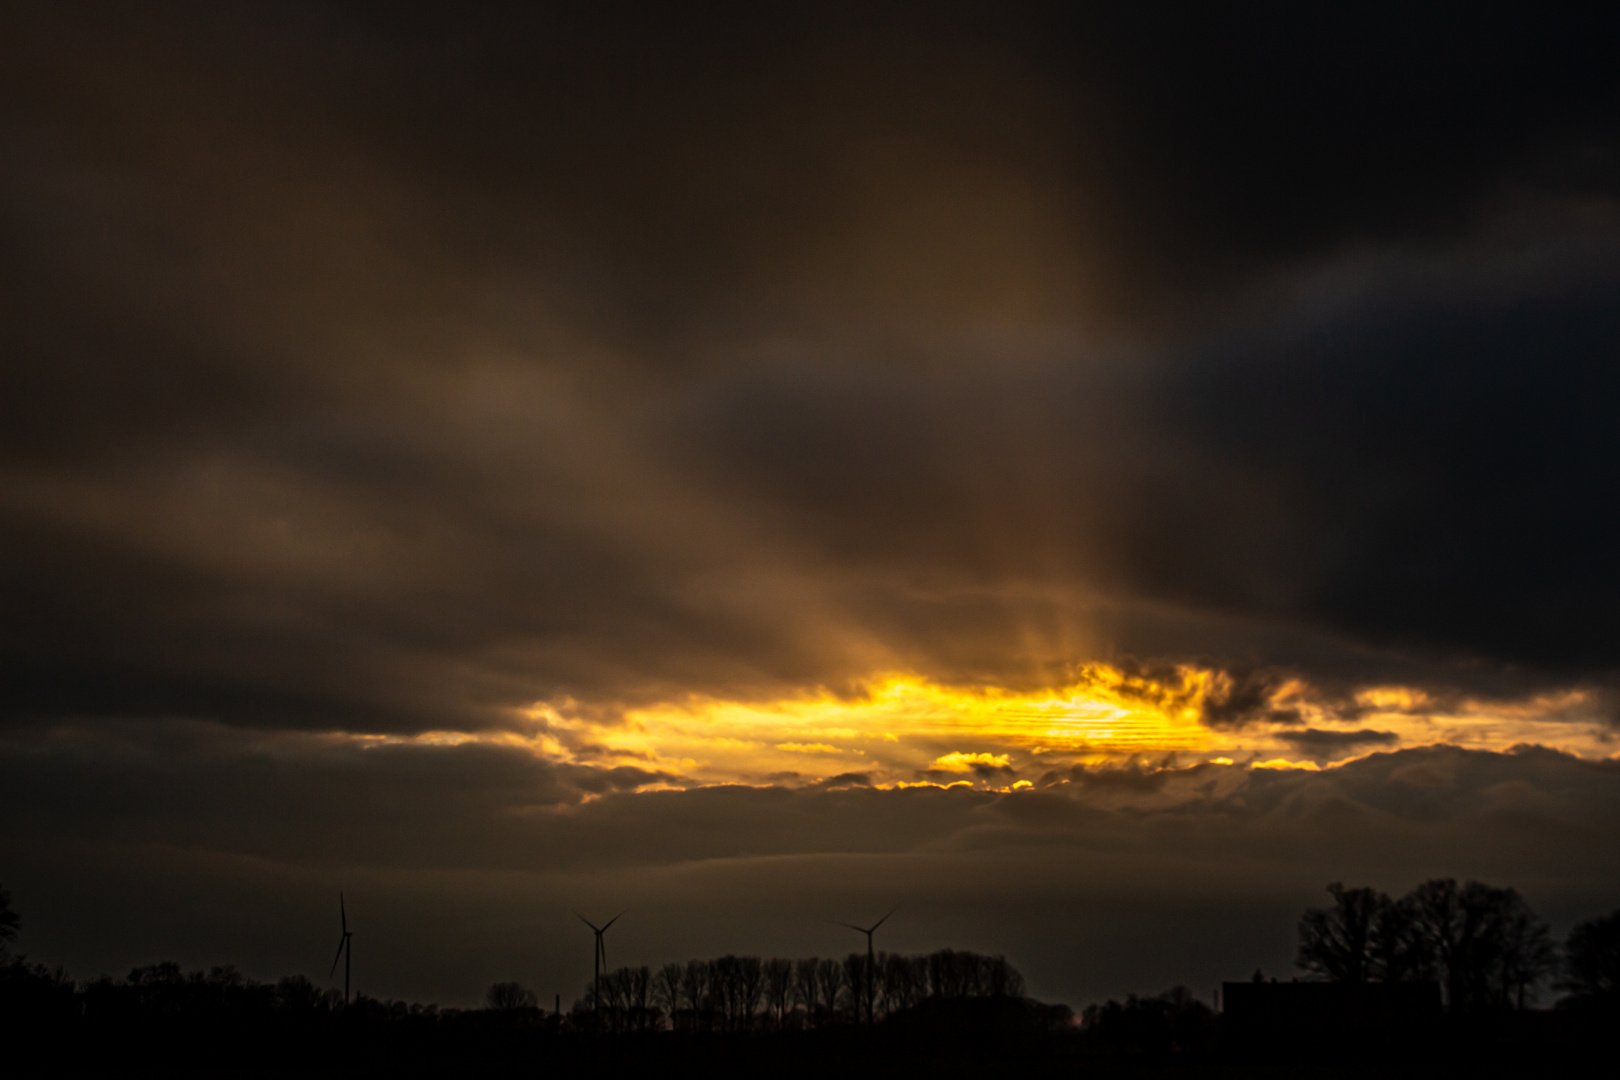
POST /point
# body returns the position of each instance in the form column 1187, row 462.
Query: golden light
column 960, row 762
column 904, row 729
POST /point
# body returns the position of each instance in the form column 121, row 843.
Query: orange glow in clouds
column 906, row 729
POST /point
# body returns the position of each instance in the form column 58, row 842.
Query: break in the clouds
column 812, row 400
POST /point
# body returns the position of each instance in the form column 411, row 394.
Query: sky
column 1085, row 476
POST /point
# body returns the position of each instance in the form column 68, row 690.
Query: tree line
column 747, row 993
column 162, row 1003
column 1484, row 945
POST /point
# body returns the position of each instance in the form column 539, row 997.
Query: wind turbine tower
column 598, row 963
column 871, row 961
column 344, row 949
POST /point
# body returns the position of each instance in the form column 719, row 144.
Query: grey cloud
column 847, row 779
column 393, row 377
column 1246, row 696
column 1131, row 776
column 1337, row 743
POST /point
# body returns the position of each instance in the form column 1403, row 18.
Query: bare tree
column 778, row 988
column 892, row 979
column 1490, row 947
column 973, row 968
column 805, row 992
column 607, row 998
column 1400, row 950
column 905, row 981
column 1525, row 951
column 510, row 997
column 829, row 981
column 856, row 984
column 666, row 989
column 725, row 987
column 695, row 982
column 638, row 998
column 750, row 989
column 1002, row 979
column 1592, row 957
column 1437, row 909
column 945, row 974
column 1337, row 942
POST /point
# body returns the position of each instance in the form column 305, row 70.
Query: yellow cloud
column 1396, row 698
column 1099, row 715
column 960, row 762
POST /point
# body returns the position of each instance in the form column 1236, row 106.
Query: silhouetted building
column 1304, row 1012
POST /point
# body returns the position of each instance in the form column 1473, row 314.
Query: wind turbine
column 598, row 962
column 871, row 958
column 344, row 951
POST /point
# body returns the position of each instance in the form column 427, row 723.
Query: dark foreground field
column 477, row 1044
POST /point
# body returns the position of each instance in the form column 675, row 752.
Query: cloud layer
column 387, row 379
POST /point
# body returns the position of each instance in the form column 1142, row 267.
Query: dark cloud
column 845, row 780
column 1337, row 743
column 1243, row 696
column 979, row 770
column 390, row 376
column 1131, row 776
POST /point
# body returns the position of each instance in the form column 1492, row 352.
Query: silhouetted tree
column 805, row 988
column 952, row 974
column 1400, row 951
column 1525, row 953
column 897, row 983
column 750, row 989
column 725, row 987
column 695, row 984
column 637, row 993
column 509, row 997
column 778, row 988
column 666, row 989
column 1487, row 943
column 1338, row 942
column 1001, row 979
column 856, row 985
column 1437, row 909
column 829, row 981
column 1592, row 957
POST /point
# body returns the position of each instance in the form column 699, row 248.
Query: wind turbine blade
column 588, row 922
column 342, row 943
column 343, row 912
column 851, row 926
column 885, row 918
column 613, row 920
